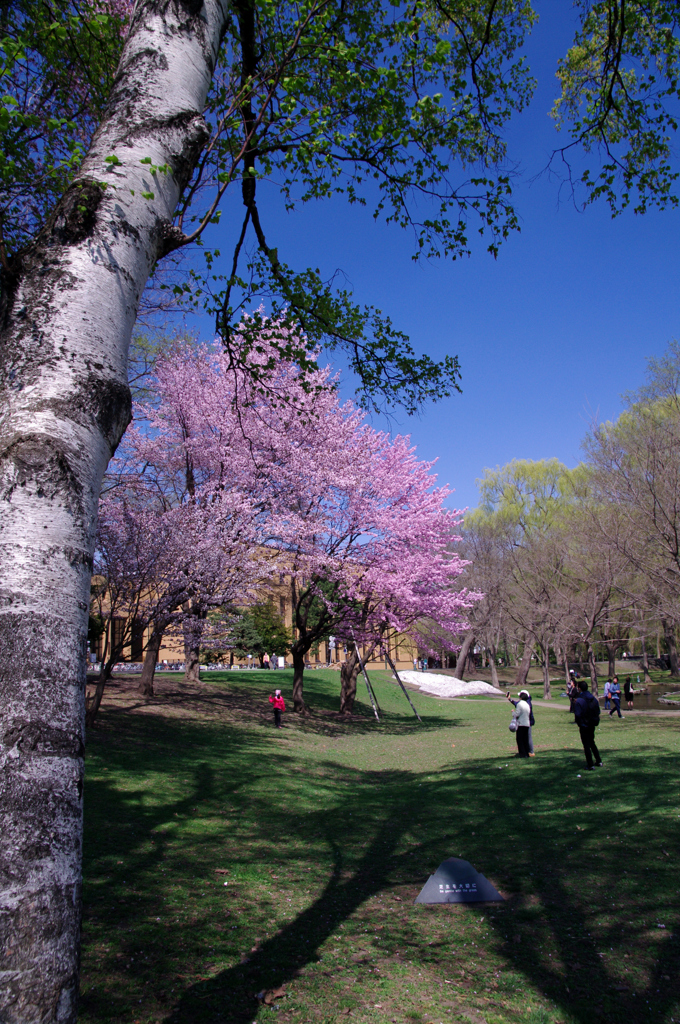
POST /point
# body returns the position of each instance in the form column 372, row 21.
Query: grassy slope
column 328, row 831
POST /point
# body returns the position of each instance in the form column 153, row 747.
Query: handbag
column 513, row 722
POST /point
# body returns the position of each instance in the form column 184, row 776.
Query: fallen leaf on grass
column 398, row 899
column 222, row 871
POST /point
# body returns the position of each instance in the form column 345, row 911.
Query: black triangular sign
column 456, row 881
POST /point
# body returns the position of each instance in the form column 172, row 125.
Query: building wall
column 402, row 649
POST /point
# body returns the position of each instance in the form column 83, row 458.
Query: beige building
column 402, row 649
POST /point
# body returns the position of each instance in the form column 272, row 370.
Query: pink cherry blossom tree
column 370, row 546
column 153, row 563
column 293, row 483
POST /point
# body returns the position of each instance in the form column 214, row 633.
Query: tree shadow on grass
column 582, row 861
column 247, row 702
column 559, row 868
column 247, row 690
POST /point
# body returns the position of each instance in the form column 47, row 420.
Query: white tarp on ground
column 447, row 686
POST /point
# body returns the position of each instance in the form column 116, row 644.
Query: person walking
column 523, row 709
column 587, row 717
column 265, row 660
column 615, row 694
column 279, row 705
column 607, row 692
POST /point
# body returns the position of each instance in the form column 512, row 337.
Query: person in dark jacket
column 629, row 692
column 587, row 716
column 279, row 705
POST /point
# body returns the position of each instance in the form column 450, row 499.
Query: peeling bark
column 67, row 309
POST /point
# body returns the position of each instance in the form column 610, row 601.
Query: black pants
column 277, row 717
column 522, row 735
column 588, row 741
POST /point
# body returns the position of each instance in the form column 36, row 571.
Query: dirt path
column 561, row 707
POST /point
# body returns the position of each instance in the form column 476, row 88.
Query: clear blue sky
column 548, row 335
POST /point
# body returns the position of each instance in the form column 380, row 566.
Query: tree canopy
column 403, row 109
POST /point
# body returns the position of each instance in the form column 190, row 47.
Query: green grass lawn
column 326, row 831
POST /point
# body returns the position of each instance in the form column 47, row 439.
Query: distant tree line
column 580, row 565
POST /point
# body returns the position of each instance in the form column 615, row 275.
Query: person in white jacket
column 523, row 710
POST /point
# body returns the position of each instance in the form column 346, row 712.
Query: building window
column 118, row 634
column 137, row 641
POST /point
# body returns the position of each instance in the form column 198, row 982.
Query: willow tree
column 120, row 138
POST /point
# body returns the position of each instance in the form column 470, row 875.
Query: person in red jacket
column 279, row 705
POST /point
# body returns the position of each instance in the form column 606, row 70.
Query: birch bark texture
column 67, row 312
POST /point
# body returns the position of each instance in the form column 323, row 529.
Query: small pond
column 660, row 696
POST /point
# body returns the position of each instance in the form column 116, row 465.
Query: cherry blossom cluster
column 228, row 481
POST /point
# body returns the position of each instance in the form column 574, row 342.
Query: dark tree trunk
column 611, row 658
column 192, row 663
column 462, row 658
column 494, row 667
column 150, row 661
column 567, row 677
column 525, row 664
column 193, row 630
column 349, row 673
column 592, row 668
column 671, row 645
column 546, row 671
column 298, row 680
column 645, row 663
column 93, row 706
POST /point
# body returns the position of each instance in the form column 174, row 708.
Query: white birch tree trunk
column 66, row 316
